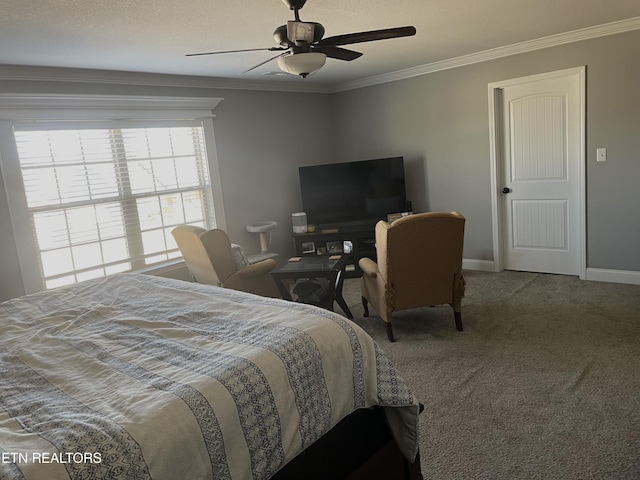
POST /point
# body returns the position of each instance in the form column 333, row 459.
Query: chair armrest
column 369, row 267
column 257, row 269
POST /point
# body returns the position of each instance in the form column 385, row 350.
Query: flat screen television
column 353, row 192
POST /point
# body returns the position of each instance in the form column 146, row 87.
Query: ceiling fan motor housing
column 281, row 37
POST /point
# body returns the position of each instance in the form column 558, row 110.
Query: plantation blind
column 102, row 200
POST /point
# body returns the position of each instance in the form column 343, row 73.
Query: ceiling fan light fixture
column 302, row 63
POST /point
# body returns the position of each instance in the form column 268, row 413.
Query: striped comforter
column 140, row 377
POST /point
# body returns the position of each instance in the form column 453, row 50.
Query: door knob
column 506, row 190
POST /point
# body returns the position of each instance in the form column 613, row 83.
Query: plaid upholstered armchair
column 419, row 264
column 210, row 259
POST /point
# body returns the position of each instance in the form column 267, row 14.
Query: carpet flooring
column 544, row 382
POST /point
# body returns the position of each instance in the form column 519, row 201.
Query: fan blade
column 371, row 36
column 270, row 49
column 266, row 61
column 339, row 53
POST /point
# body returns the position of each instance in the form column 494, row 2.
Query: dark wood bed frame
column 360, row 447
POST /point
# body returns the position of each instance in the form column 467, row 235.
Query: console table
column 356, row 241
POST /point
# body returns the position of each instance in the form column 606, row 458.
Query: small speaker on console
column 299, row 222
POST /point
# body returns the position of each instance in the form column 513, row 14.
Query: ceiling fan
column 304, row 50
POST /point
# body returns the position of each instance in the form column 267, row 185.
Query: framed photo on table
column 308, row 247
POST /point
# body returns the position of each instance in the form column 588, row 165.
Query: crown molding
column 59, row 74
column 495, row 53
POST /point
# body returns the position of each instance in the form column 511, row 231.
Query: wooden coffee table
column 315, row 267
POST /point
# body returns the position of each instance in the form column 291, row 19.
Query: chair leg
column 389, row 332
column 458, row 317
column 365, row 304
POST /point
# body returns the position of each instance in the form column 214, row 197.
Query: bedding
column 141, row 377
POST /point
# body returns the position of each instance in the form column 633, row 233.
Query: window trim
column 73, row 108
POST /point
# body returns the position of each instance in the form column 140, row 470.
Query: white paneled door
column 541, row 175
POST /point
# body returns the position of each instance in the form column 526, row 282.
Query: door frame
column 495, row 156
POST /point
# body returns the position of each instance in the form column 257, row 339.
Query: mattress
column 141, row 377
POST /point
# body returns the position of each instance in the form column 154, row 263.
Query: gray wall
column 439, row 122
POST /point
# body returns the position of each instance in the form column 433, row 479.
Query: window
column 100, row 197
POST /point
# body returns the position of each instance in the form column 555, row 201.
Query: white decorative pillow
column 239, row 258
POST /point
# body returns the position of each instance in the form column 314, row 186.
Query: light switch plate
column 601, row 154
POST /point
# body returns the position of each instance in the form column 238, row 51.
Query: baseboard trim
column 613, row 276
column 593, row 274
column 481, row 265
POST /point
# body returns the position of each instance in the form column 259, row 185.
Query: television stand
column 358, row 240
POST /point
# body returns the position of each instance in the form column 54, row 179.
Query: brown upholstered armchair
column 419, row 264
column 209, row 258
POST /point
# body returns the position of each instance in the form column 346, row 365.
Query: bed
column 141, row 377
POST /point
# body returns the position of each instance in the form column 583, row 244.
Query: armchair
column 419, row 264
column 209, row 257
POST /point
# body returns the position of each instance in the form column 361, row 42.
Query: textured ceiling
column 154, row 35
